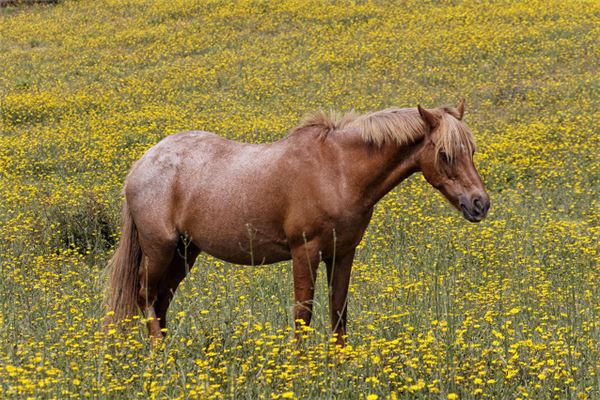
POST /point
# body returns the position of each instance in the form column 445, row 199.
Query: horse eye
column 444, row 157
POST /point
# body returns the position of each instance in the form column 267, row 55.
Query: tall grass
column 438, row 307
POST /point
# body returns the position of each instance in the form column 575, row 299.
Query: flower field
column 439, row 308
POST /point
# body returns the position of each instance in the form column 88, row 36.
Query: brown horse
column 308, row 197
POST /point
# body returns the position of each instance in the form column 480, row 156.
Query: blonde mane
column 399, row 125
column 455, row 137
column 326, row 122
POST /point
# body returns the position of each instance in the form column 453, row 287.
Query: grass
column 439, row 308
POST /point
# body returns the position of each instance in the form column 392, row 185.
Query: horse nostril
column 481, row 205
column 477, row 205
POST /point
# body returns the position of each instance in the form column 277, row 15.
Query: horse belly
column 241, row 250
column 236, row 231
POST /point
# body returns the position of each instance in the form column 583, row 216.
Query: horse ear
column 428, row 117
column 461, row 109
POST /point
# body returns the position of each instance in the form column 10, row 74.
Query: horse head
column 446, row 161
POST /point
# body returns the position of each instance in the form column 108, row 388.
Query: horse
column 308, row 197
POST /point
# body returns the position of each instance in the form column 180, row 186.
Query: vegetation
column 440, row 308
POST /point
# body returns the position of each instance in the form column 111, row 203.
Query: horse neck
column 376, row 171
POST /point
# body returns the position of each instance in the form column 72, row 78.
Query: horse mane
column 455, row 137
column 325, row 121
column 399, row 125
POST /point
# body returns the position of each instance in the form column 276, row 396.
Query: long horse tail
column 123, row 284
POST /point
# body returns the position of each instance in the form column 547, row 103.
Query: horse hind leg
column 182, row 262
column 157, row 257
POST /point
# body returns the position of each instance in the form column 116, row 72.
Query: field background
column 439, row 307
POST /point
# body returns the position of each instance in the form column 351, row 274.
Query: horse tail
column 123, row 284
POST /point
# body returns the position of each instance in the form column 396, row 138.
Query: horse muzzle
column 476, row 208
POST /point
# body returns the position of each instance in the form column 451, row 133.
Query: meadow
column 439, row 308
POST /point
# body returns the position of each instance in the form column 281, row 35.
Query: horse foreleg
column 305, row 259
column 182, row 262
column 338, row 279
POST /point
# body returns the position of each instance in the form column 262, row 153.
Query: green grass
column 438, row 307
